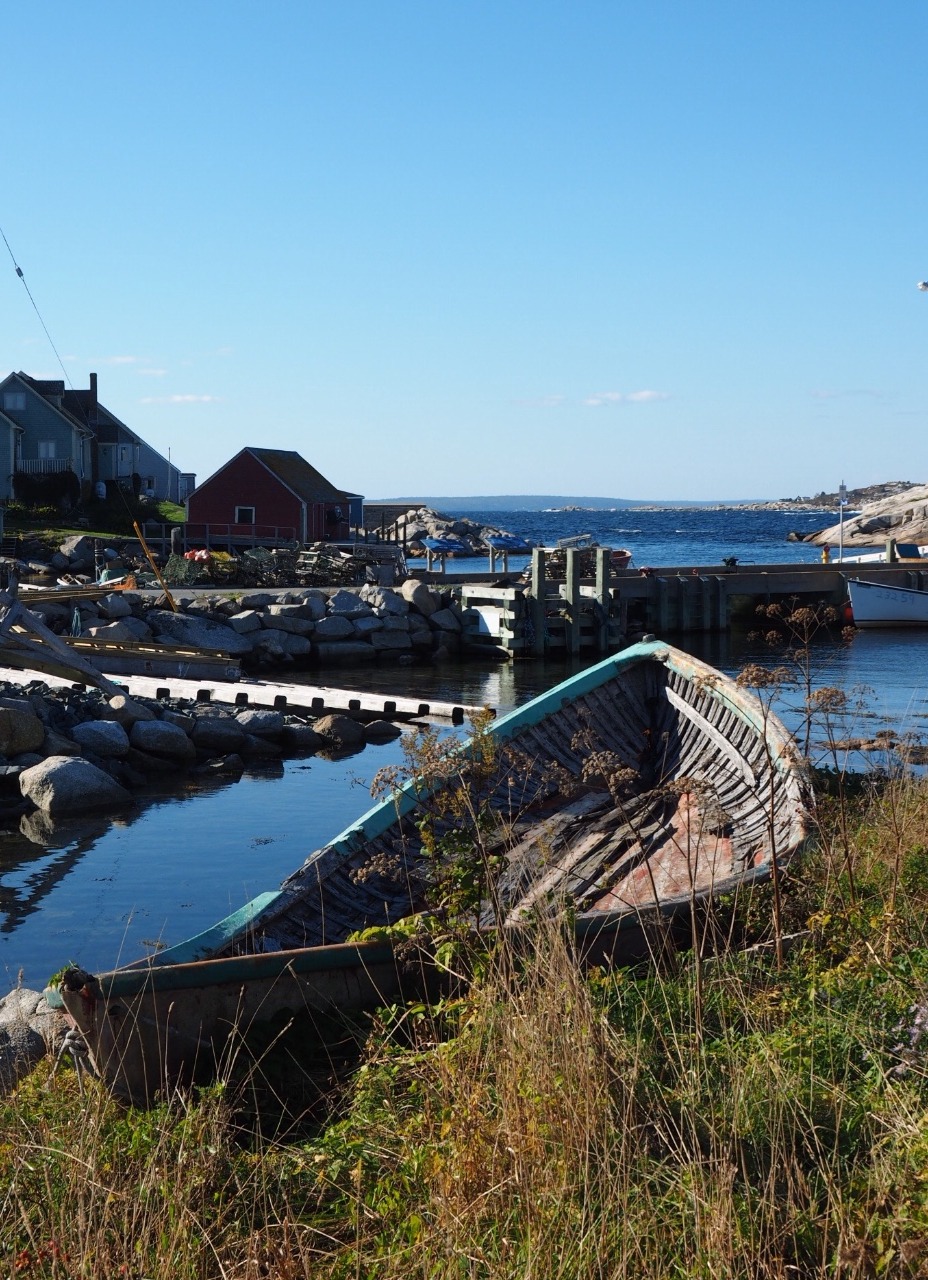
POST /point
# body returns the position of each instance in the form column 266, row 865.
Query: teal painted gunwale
column 192, row 975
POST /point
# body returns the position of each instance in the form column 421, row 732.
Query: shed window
column 14, row 400
column 244, row 515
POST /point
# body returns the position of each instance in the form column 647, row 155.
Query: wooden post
column 572, row 599
column 721, row 603
column 662, row 604
column 538, row 601
column 603, row 594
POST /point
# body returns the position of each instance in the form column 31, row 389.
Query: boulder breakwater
column 270, row 630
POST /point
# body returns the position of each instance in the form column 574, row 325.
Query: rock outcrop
column 422, row 522
column 904, row 516
column 28, row 1030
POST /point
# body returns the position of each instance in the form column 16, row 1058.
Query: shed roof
column 296, row 473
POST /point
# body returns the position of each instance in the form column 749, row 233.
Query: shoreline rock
column 304, row 626
column 70, row 751
column 902, row 516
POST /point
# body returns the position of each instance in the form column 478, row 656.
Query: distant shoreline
column 463, row 505
column 827, row 503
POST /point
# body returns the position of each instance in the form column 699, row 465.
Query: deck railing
column 193, row 537
column 44, row 466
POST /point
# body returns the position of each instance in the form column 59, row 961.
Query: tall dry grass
column 715, row 1115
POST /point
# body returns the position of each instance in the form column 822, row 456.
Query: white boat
column 903, row 551
column 874, row 604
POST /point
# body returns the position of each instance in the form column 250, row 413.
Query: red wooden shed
column 269, row 493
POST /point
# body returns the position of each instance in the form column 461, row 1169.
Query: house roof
column 52, row 390
column 296, row 473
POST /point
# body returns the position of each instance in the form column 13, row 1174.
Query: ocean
column 673, row 535
column 105, row 891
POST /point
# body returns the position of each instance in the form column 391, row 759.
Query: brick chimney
column 92, row 402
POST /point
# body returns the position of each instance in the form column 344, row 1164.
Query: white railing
column 44, row 466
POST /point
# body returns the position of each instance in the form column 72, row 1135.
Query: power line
column 19, row 272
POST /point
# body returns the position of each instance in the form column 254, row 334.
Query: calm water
column 97, row 893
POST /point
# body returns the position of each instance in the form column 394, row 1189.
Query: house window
column 244, row 515
column 14, row 400
column 46, row 448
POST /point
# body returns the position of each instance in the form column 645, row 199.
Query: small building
column 271, row 494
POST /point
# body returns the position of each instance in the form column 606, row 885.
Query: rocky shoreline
column 414, row 623
column 70, row 750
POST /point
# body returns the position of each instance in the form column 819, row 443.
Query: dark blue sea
column 670, row 536
column 106, row 892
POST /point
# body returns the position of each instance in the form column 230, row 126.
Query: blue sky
column 640, row 250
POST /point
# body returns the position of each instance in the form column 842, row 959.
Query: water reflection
column 100, row 891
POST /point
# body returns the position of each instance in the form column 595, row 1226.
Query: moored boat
column 902, row 552
column 633, row 792
column 877, row 604
column 508, row 542
column 586, row 545
column 448, row 545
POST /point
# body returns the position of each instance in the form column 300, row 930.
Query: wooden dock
column 574, row 615
column 315, row 700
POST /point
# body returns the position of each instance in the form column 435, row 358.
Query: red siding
column 244, row 482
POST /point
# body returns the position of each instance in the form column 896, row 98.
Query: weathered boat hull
column 150, row 1029
column 874, row 604
column 636, row 791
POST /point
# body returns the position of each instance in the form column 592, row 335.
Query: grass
column 108, row 518
column 719, row 1116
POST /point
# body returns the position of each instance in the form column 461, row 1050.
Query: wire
column 19, row 272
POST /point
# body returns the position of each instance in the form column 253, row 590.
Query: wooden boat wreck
column 634, row 791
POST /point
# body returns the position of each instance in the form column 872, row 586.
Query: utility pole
column 842, row 503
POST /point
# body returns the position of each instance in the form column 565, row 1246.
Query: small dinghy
column 630, row 794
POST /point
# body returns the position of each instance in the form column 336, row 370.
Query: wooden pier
column 574, row 615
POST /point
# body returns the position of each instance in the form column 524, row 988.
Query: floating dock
column 316, row 700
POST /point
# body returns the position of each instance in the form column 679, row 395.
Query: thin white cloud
column 151, row 373
column 645, row 397
column 603, row 398
column 187, row 399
